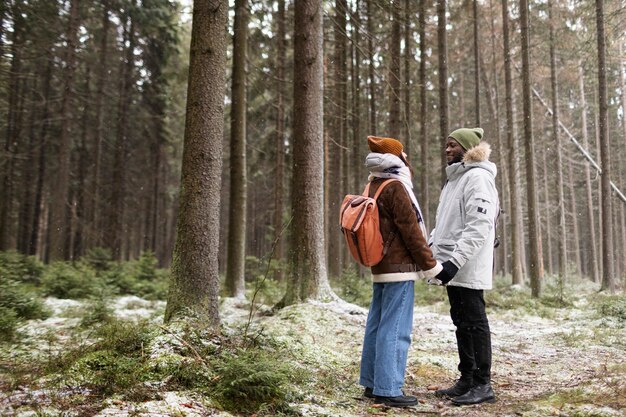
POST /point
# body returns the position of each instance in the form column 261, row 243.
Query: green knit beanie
column 467, row 138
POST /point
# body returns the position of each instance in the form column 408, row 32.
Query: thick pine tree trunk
column 59, row 201
column 513, row 165
column 235, row 270
column 308, row 267
column 394, row 72
column 536, row 262
column 195, row 279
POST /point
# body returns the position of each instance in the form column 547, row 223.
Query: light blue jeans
column 387, row 338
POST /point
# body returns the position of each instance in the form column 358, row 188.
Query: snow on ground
column 571, row 363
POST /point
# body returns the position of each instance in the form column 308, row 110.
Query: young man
column 408, row 257
column 463, row 241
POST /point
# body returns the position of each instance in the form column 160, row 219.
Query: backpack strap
column 366, row 192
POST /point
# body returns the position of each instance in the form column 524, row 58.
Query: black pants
column 467, row 309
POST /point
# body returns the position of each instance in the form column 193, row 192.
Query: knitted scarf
column 386, row 165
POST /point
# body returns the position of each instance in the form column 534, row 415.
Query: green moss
column 250, row 380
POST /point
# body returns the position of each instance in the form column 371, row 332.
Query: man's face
column 454, row 151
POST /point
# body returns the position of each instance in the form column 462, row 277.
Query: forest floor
column 548, row 360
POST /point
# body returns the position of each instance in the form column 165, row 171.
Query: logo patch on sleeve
column 482, row 210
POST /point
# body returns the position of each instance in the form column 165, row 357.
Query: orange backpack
column 360, row 226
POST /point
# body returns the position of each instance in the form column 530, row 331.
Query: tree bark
column 59, row 196
column 279, row 183
column 235, row 270
column 608, row 279
column 514, row 188
column 195, row 278
column 372, row 84
column 443, row 83
column 115, row 232
column 536, row 261
column 101, row 79
column 394, row 72
column 592, row 258
column 425, row 149
column 476, row 66
column 408, row 56
column 559, row 158
column 8, row 181
column 308, row 267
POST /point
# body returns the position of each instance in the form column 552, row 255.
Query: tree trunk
column 101, row 79
column 279, row 183
column 337, row 146
column 394, row 72
column 372, row 84
column 476, row 66
column 547, row 236
column 513, row 165
column 425, row 149
column 308, row 267
column 7, row 221
column 81, row 187
column 574, row 212
column 115, row 231
column 608, row 279
column 235, row 270
column 195, row 279
column 536, row 262
column 443, row 84
column 59, row 196
column 559, row 149
column 357, row 140
column 592, row 244
column 408, row 56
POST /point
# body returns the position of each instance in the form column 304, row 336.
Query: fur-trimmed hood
column 478, row 153
column 476, row 157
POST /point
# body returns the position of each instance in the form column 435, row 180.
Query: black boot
column 399, row 401
column 369, row 393
column 461, row 387
column 478, row 394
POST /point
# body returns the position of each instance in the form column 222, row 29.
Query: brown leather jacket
column 409, row 250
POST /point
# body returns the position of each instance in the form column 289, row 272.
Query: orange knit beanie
column 384, row 145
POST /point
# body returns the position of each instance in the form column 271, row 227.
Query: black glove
column 447, row 273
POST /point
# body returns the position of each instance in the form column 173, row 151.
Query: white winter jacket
column 464, row 230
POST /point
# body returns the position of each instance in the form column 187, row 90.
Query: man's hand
column 447, row 273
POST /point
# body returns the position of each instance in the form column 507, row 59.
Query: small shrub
column 254, row 379
column 20, row 268
column 355, row 288
column 613, row 306
column 139, row 277
column 67, row 280
column 8, row 324
column 100, row 259
column 98, row 311
column 26, row 304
